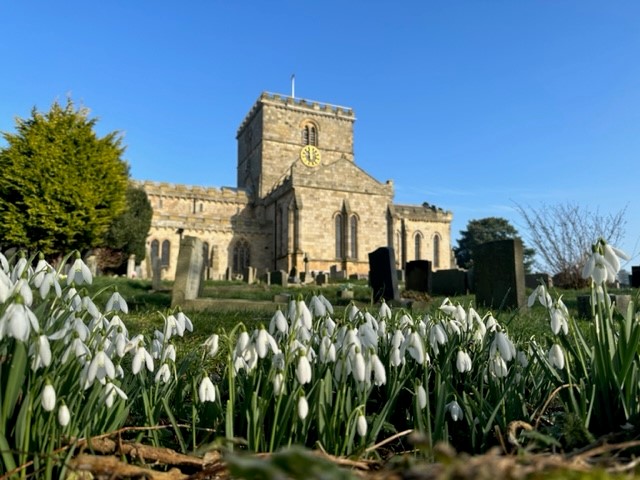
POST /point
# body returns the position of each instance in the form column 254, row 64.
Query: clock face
column 310, row 156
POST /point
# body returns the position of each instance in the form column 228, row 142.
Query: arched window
column 205, row 254
column 241, row 256
column 155, row 249
column 418, row 245
column 436, row 251
column 353, row 221
column 339, row 236
column 310, row 135
column 166, row 252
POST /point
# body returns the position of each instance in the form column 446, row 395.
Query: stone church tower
column 301, row 202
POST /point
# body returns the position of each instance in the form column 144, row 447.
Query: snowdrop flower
column 379, row 373
column 90, row 307
column 497, row 366
column 385, row 311
column 63, row 415
column 40, row 352
column 263, row 342
column 358, row 367
column 463, row 361
column 540, row 293
column 278, row 383
column 361, row 425
column 163, row 374
column 42, row 267
column 50, row 279
column 415, row 348
column 211, row 344
column 491, row 323
column 77, row 347
column 278, row 323
column 395, row 357
column 22, row 288
column 455, row 411
column 352, row 312
column 303, row 370
column 141, row 356
column 327, row 350
column 100, row 367
column 169, row 353
column 556, row 356
column 48, row 399
column 79, row 273
column 326, row 303
column 184, row 321
column 19, row 268
column 317, row 308
column 117, row 303
column 437, row 336
column 421, row 395
column 522, row 359
column 206, row 390
column 504, row 346
column 73, row 299
column 559, row 318
column 17, row 321
column 110, row 393
column 4, row 264
column 303, row 407
column 304, row 318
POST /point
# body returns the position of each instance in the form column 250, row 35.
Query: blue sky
column 474, row 106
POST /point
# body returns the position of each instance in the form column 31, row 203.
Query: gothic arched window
column 310, row 135
column 418, row 245
column 166, row 252
column 241, row 256
column 353, row 225
column 436, row 251
column 155, row 249
column 339, row 236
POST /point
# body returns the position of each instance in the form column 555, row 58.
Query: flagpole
column 293, row 85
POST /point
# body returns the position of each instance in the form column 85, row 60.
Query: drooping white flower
column 303, row 370
column 265, row 342
column 540, row 293
column 278, row 323
column 206, row 390
column 77, row 347
column 18, row 321
column 463, row 361
column 163, row 374
column 358, row 367
column 385, row 311
column 211, row 345
column 50, row 279
column 497, row 366
column 19, row 268
column 415, row 348
column 278, row 383
column 556, row 356
column 63, row 415
column 395, row 357
column 79, row 273
column 117, row 303
column 352, row 312
column 316, row 306
column 437, row 336
column 327, row 350
column 421, row 395
column 90, row 307
column 100, row 367
column 491, row 323
column 40, row 353
column 303, row 407
column 48, row 399
column 361, row 425
column 559, row 318
column 110, row 393
column 455, row 411
column 140, row 357
column 326, row 303
column 503, row 345
column 41, row 269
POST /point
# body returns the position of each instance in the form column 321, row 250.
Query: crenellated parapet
column 177, row 190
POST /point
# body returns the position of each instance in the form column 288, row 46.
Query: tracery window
column 339, row 236
column 436, row 251
column 354, row 236
column 155, row 249
column 418, row 245
column 241, row 256
column 309, row 135
column 166, row 252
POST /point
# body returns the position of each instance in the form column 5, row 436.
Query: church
column 301, row 202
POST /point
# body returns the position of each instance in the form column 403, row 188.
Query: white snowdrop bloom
column 497, row 366
column 329, row 325
column 503, row 345
column 18, row 321
column 74, row 300
column 397, row 339
column 184, row 321
column 421, row 395
column 453, row 327
column 265, row 342
column 371, row 321
column 316, row 306
column 385, row 311
column 100, row 367
column 242, row 343
column 40, row 353
column 250, row 357
column 491, row 323
column 303, row 370
column 341, row 369
column 559, row 319
column 351, row 341
column 327, row 351
column 278, row 361
column 305, row 318
column 278, row 384
column 169, row 353
column 379, row 373
column 540, row 293
column 112, row 391
column 556, row 356
column 76, row 347
column 382, row 328
column 206, row 390
column 211, row 345
column 141, row 357
column 368, row 337
column 117, row 303
column 48, row 399
column 22, row 288
column 163, row 374
column 292, row 311
column 326, row 303
column 79, row 273
column 473, row 319
column 4, row 264
column 447, row 307
column 19, row 268
column 50, row 279
column 90, row 307
column 455, row 411
column 361, row 425
column 39, row 272
column 405, row 322
column 422, row 328
column 415, row 348
column 395, row 357
column 5, row 287
column 358, row 367
column 64, row 417
column 79, row 327
column 437, row 336
column 278, row 323
column 352, row 312
column 522, row 359
column 463, row 361
column 303, row 407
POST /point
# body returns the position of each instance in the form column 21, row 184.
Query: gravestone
column 449, row 282
column 635, row 276
column 156, row 273
column 418, row 276
column 499, row 274
column 131, row 266
column 249, row 275
column 382, row 274
column 400, row 275
column 92, row 263
column 279, row 277
column 189, row 271
column 321, row 279
column 584, row 305
column 533, row 280
column 333, row 272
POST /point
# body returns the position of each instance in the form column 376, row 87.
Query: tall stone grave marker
column 382, row 274
column 499, row 274
column 156, row 273
column 418, row 276
column 131, row 266
column 635, row 276
column 189, row 271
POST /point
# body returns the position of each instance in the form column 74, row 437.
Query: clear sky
column 472, row 105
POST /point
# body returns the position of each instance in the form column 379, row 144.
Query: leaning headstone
column 635, row 276
column 418, row 276
column 321, row 279
column 131, row 266
column 279, row 277
column 499, row 274
column 382, row 274
column 189, row 271
column 156, row 274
